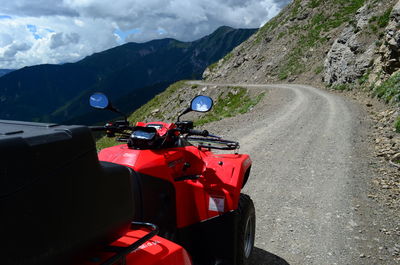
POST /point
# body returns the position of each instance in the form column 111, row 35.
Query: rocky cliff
column 337, row 42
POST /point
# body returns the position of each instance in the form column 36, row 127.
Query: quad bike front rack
column 215, row 143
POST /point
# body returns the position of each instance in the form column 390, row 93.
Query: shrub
column 383, row 20
column 397, row 124
column 314, row 3
column 319, row 69
column 283, row 75
column 389, row 90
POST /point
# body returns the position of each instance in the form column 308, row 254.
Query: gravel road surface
column 309, row 178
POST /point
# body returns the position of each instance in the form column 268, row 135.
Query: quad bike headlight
column 143, row 138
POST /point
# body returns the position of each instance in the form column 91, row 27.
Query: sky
column 58, row 31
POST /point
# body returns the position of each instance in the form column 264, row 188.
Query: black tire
column 246, row 230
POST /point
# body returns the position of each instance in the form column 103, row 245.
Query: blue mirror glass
column 99, row 101
column 201, row 104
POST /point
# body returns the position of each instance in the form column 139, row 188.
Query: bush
column 397, row 124
column 283, row 76
column 342, row 87
column 389, row 90
column 314, row 3
column 383, row 20
column 319, row 69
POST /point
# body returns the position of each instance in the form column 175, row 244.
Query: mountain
column 130, row 75
column 5, row 71
column 339, row 43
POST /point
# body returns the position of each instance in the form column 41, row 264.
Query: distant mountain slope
column 130, row 74
column 5, row 71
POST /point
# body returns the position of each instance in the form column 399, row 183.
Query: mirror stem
column 119, row 112
column 184, row 112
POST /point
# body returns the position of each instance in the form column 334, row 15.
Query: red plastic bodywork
column 156, row 251
column 217, row 191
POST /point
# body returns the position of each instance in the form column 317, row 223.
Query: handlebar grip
column 97, row 128
column 200, row 133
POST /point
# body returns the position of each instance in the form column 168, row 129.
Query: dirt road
column 310, row 177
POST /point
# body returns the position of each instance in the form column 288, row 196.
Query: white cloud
column 14, row 48
column 61, row 40
column 57, row 31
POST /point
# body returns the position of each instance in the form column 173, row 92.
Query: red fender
column 156, row 251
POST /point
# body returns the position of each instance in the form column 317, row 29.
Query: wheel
column 246, row 230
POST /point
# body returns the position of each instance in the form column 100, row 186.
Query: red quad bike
column 193, row 195
column 61, row 203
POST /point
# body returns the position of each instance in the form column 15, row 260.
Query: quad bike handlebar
column 159, row 135
column 206, row 140
column 203, row 133
column 97, row 128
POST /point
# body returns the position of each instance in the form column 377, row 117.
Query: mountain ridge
column 138, row 71
column 5, row 71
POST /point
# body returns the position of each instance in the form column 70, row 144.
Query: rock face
column 350, row 55
column 388, row 60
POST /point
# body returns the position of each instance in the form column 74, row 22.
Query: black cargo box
column 57, row 202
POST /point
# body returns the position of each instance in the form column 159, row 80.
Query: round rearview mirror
column 99, row 101
column 201, row 104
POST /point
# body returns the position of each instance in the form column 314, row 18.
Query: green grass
column 348, row 9
column 228, row 56
column 265, row 30
column 283, row 75
column 319, row 69
column 314, row 3
column 389, row 90
column 230, row 105
column 342, row 87
column 381, row 21
column 373, row 28
column 105, row 142
column 281, row 34
column 378, row 43
column 364, row 79
column 213, row 66
column 295, row 8
column 397, row 124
